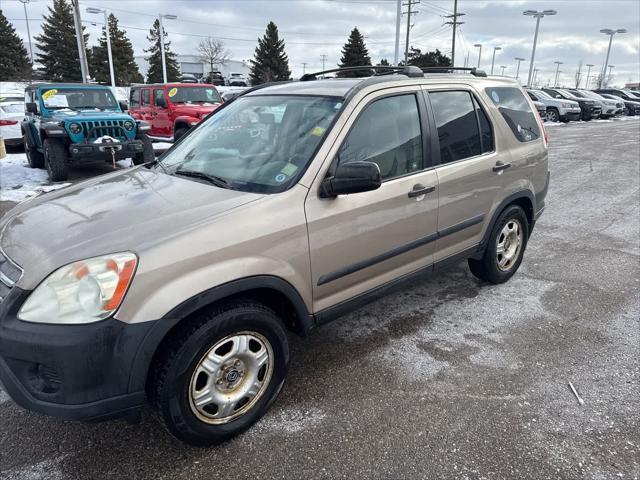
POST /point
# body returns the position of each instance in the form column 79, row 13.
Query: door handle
column 501, row 166
column 420, row 190
column 154, row 113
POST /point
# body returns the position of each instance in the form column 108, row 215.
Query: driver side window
column 387, row 133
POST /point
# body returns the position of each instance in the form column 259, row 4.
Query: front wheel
column 221, row 373
column 505, row 249
column 55, row 158
column 147, row 155
column 179, row 133
column 552, row 115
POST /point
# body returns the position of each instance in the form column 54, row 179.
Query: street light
column 557, row 72
column 26, row 18
column 589, row 65
column 609, row 77
column 164, row 61
column 502, row 67
column 537, row 15
column 479, row 45
column 493, row 60
column 518, row 59
column 106, row 29
column 535, row 74
column 611, row 33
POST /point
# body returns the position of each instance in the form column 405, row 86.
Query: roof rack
column 409, row 71
column 472, row 70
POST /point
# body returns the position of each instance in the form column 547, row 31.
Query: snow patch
column 4, row 397
column 17, row 180
column 49, row 469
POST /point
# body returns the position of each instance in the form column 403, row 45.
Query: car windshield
column 12, row 108
column 632, row 94
column 57, row 98
column 541, row 94
column 589, row 94
column 194, row 95
column 575, row 93
column 256, row 143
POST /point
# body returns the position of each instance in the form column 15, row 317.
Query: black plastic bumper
column 570, row 116
column 102, row 151
column 74, row 372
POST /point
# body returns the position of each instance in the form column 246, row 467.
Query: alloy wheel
column 508, row 245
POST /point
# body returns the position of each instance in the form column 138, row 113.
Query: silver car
column 11, row 114
column 558, row 110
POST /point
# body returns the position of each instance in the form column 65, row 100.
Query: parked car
column 238, row 80
column 176, row 282
column 11, row 96
column 215, row 78
column 588, row 108
column 189, row 78
column 621, row 93
column 541, row 108
column 11, row 114
column 231, row 94
column 69, row 124
column 631, row 108
column 172, row 109
column 609, row 108
column 562, row 110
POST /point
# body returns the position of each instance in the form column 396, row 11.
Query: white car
column 11, row 114
column 238, row 80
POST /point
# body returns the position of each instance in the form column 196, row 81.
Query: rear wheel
column 34, row 157
column 55, row 158
column 179, row 133
column 221, row 374
column 505, row 249
column 552, row 115
column 147, row 155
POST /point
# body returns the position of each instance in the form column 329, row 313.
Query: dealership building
column 193, row 64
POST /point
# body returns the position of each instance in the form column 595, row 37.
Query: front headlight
column 566, row 105
column 82, row 292
column 128, row 125
column 75, row 128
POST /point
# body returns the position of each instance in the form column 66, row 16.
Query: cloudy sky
column 312, row 28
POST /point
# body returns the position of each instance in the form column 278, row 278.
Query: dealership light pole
column 611, row 33
column 479, row 46
column 106, row 29
column 589, row 65
column 26, row 19
column 518, row 59
column 537, row 15
column 164, row 60
column 502, row 67
column 398, row 19
column 557, row 72
column 493, row 60
column 535, row 74
column 609, row 77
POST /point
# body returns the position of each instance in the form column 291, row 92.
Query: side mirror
column 31, row 107
column 123, row 106
column 352, row 177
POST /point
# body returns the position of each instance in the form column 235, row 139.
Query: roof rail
column 472, row 70
column 409, row 71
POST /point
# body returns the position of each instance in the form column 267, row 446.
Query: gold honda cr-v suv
column 174, row 282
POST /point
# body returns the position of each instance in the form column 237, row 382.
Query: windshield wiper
column 217, row 181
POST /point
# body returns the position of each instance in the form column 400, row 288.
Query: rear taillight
column 541, row 125
column 6, row 123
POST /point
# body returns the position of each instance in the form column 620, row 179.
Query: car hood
column 87, row 115
column 130, row 210
column 201, row 110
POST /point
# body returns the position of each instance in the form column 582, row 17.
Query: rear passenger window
column 146, row 96
column 516, row 111
column 486, row 133
column 457, row 125
column 387, row 133
column 134, row 99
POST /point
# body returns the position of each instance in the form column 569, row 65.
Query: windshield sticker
column 281, row 177
column 337, row 106
column 172, row 92
column 318, row 131
column 49, row 94
column 56, row 101
column 289, row 169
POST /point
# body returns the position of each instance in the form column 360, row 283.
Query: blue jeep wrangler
column 68, row 123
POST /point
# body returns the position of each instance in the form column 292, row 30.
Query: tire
column 552, row 115
column 179, row 133
column 177, row 375
column 55, row 158
column 34, row 157
column 493, row 267
column 147, row 155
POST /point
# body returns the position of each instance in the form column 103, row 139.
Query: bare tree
column 212, row 52
column 578, row 76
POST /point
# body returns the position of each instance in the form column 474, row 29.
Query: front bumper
column 570, row 115
column 102, row 151
column 74, row 372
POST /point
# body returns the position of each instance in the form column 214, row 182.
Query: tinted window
column 134, row 100
column 387, row 132
column 457, row 125
column 486, row 132
column 158, row 98
column 146, row 97
column 516, row 111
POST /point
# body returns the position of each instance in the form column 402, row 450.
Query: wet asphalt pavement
column 451, row 378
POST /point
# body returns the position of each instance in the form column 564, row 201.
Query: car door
column 161, row 117
column 466, row 155
column 360, row 241
column 146, row 107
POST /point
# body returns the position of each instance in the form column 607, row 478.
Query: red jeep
column 172, row 109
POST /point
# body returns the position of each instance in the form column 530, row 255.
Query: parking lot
column 449, row 379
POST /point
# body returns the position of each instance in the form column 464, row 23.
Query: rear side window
column 146, row 96
column 457, row 124
column 516, row 111
column 486, row 132
column 134, row 98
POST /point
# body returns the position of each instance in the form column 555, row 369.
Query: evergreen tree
column 355, row 54
column 58, row 46
column 124, row 66
column 14, row 61
column 383, row 63
column 270, row 62
column 427, row 59
column 154, row 75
